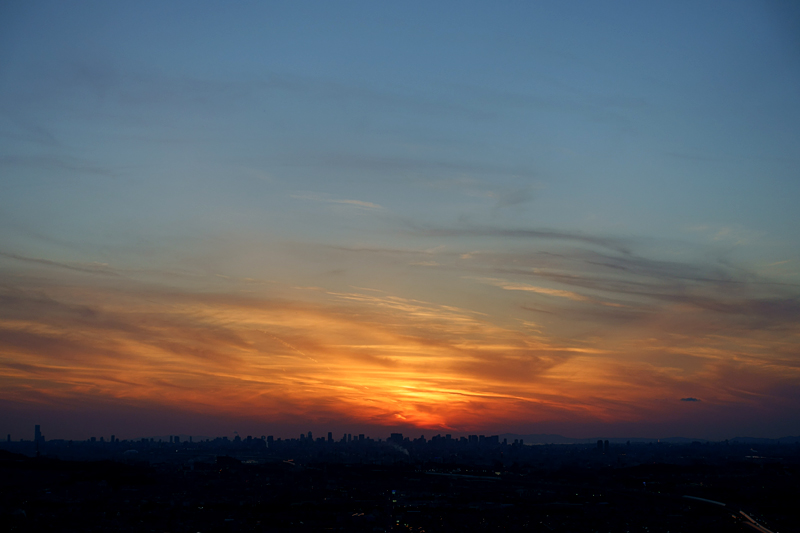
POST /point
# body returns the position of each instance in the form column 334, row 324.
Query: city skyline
column 268, row 440
column 534, row 218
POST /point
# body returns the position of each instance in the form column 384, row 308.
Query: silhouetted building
column 330, row 436
column 38, row 438
column 600, row 446
column 605, row 446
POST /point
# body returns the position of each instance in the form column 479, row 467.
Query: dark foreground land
column 405, row 486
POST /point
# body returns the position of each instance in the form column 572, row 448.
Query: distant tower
column 605, row 446
column 309, row 436
column 38, row 439
column 330, row 436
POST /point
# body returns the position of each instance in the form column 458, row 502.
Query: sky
column 430, row 217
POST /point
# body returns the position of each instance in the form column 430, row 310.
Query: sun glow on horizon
column 364, row 356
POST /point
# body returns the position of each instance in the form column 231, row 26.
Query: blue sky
column 466, row 155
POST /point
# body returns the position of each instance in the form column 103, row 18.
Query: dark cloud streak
column 617, row 245
column 99, row 269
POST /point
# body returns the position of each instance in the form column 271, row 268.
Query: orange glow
column 366, row 356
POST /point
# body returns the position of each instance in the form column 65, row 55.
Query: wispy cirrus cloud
column 629, row 285
column 615, row 244
column 397, row 163
column 510, row 286
column 317, row 197
column 58, row 162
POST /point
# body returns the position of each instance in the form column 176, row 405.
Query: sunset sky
column 430, row 217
